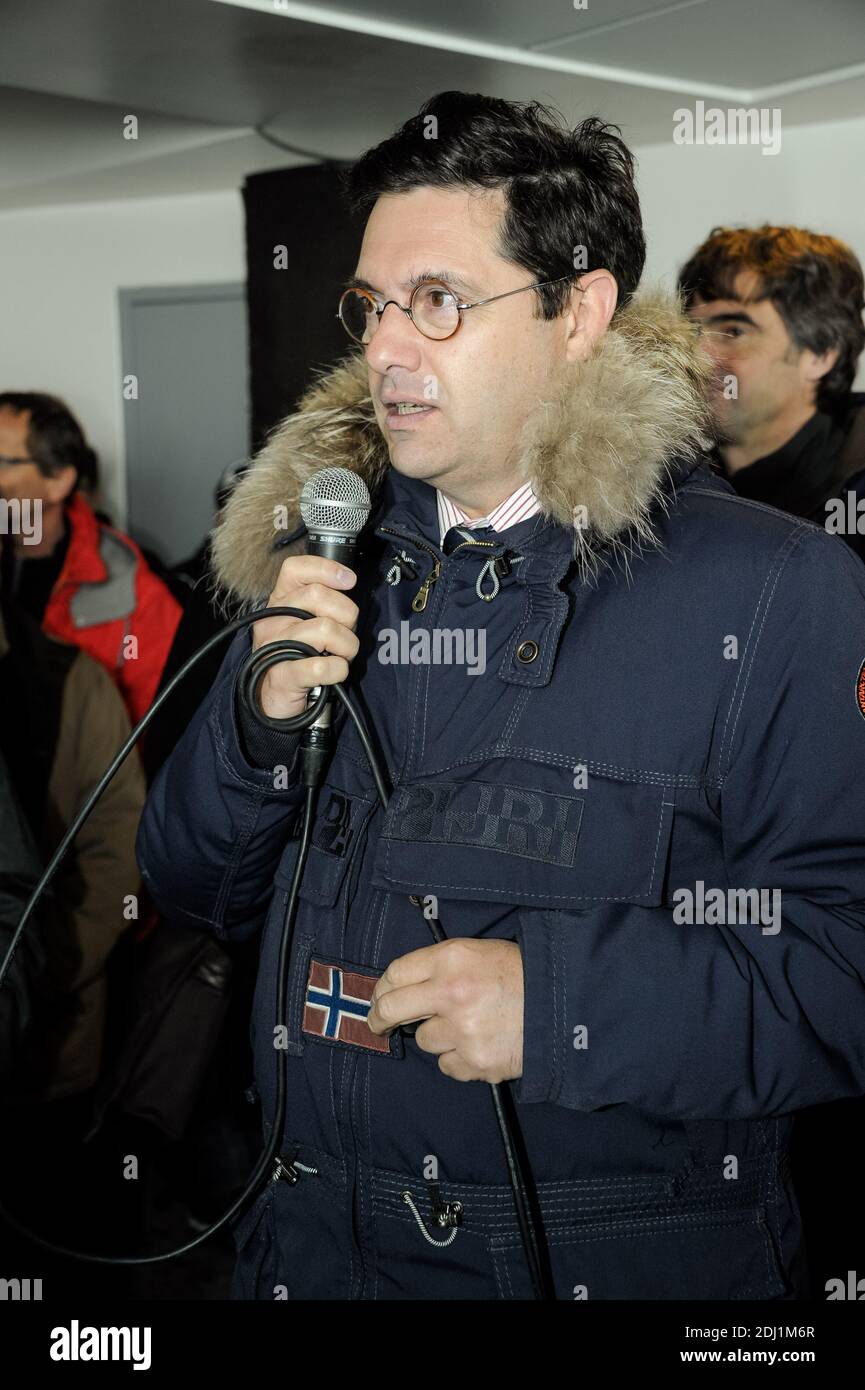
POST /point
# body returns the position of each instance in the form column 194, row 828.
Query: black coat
column 811, row 475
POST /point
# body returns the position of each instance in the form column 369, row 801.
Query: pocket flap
column 497, row 842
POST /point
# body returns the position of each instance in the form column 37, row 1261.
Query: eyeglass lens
column 433, row 307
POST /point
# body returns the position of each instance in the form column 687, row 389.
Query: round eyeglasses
column 433, row 308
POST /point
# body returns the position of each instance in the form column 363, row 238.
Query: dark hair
column 563, row 188
column 814, row 282
column 55, row 439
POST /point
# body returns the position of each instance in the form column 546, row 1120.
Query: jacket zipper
column 421, row 598
column 478, row 544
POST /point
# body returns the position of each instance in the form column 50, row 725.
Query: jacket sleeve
column 215, row 825
column 100, row 872
column 715, row 1022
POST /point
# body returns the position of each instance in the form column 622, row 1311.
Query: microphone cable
column 254, row 666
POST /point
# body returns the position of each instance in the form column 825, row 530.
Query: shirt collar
column 518, row 507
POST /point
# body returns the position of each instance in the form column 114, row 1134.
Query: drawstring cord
column 495, row 569
column 488, row 569
column 402, row 564
column 410, row 1203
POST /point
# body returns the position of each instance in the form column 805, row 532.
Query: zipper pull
column 421, row 598
column 403, row 565
column 290, row 1170
column 444, row 1214
column 284, row 1170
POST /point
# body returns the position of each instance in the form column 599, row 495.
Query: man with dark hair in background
column 83, row 581
column 663, row 664
column 781, row 313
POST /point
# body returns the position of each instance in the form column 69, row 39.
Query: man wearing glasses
column 84, row 582
column 641, row 827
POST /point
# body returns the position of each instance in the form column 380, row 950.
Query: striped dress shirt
column 518, row 507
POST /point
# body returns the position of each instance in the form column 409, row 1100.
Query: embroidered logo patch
column 860, row 690
column 486, row 815
column 333, row 831
column 336, row 1006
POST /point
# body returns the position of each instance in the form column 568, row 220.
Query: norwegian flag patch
column 338, row 999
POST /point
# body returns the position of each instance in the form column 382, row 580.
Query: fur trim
column 596, row 451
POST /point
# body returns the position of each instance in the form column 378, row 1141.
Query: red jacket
column 108, row 602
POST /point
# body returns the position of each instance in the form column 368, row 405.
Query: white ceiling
column 200, row 75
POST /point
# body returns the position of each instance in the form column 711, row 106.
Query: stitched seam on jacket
column 222, row 754
column 516, row 713
column 661, row 819
column 334, row 1053
column 529, row 609
column 241, row 843
column 801, row 523
column 755, row 1165
column 240, row 847
column 372, row 1221
column 304, row 950
column 558, row 1079
column 633, row 1228
column 426, row 679
column 542, row 897
column 779, row 563
column 626, row 774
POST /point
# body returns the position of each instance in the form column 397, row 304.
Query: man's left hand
column 471, row 995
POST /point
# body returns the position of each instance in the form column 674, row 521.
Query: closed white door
column 186, row 348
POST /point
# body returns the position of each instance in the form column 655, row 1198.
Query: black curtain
column 292, row 323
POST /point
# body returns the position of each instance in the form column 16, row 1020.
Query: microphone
column 334, row 505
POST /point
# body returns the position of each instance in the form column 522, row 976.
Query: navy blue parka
column 692, row 722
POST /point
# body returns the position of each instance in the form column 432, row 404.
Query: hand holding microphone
column 318, row 585
column 334, row 505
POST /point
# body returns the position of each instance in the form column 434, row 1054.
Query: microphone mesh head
column 335, row 499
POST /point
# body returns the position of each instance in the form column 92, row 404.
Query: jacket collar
column 84, row 563
column 602, row 450
column 408, row 506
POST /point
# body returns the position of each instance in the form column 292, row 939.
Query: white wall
column 60, row 270
column 816, row 180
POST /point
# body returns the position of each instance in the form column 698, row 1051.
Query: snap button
column 527, row 651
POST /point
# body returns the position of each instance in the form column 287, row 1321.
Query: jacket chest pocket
column 337, row 830
column 532, row 845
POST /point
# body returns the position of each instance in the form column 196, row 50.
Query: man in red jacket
column 85, row 582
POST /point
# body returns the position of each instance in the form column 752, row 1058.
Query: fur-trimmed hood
column 602, row 441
